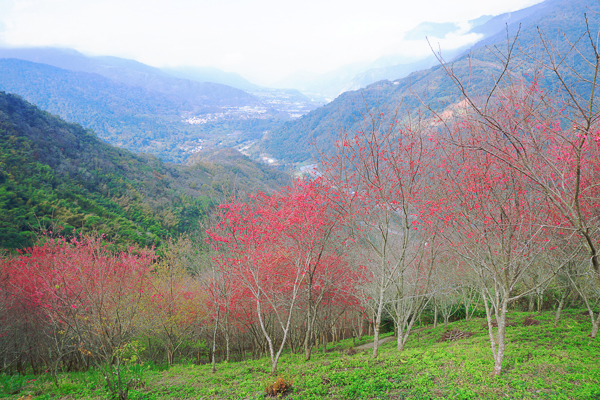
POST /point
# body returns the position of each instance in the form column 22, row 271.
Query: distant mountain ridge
column 146, row 109
column 143, row 108
column 293, row 141
column 136, row 74
column 122, row 114
column 211, row 74
column 391, row 67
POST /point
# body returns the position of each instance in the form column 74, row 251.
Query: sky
column 263, row 40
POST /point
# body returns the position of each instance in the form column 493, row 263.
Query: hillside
column 229, row 166
column 543, row 362
column 432, row 87
column 187, row 92
column 127, row 116
column 57, row 173
column 397, row 66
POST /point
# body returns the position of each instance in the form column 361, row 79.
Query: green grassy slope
column 541, row 362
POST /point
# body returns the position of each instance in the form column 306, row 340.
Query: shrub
column 278, row 386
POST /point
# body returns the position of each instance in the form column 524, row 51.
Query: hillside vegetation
column 55, row 173
column 142, row 108
column 490, row 208
column 544, row 362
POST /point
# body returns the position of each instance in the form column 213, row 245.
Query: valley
column 167, row 112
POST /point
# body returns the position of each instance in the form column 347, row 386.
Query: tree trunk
column 501, row 339
column 227, row 343
column 561, row 304
column 309, row 322
column 435, row 315
column 531, row 303
column 214, row 340
column 274, row 358
column 309, row 334
column 595, row 324
column 334, row 334
column 497, row 342
column 170, row 355
column 377, row 325
column 376, row 340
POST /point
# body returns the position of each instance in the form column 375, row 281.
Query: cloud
column 429, row 29
column 262, row 39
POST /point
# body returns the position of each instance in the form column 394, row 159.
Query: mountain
column 136, row 74
column 432, row 86
column 136, row 117
column 493, row 25
column 393, row 66
column 322, row 87
column 57, row 174
column 392, row 72
column 127, row 116
column 211, row 74
column 142, row 108
column 228, row 166
column 291, row 101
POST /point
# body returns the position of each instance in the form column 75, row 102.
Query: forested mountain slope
column 433, row 88
column 56, row 173
column 134, row 117
column 136, row 74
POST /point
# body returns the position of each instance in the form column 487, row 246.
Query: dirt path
column 368, row 346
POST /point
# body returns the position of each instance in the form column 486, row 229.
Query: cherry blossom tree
column 273, row 246
column 382, row 169
column 89, row 297
column 545, row 127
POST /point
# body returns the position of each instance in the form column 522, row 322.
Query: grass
column 541, row 362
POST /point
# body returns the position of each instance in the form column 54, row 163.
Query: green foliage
column 12, row 384
column 55, row 174
column 130, row 352
column 543, row 362
column 231, row 170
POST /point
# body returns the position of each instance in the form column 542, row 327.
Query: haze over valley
column 175, row 111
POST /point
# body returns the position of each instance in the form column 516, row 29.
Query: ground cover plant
column 543, row 362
